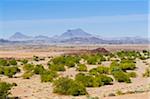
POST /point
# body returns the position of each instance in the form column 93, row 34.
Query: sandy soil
column 34, row 89
column 145, row 95
column 27, row 51
column 24, row 54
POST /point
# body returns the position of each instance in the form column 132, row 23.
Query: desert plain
column 33, row 88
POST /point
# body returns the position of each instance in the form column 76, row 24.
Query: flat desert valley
column 33, row 88
column 28, row 51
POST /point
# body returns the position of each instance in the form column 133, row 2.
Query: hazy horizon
column 111, row 18
column 96, row 35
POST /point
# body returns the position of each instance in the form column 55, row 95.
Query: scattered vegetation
column 93, row 81
column 121, row 69
column 67, row 60
column 119, row 92
column 94, row 59
column 68, row 86
column 36, row 58
column 9, row 71
column 81, row 67
column 13, row 62
column 39, row 69
column 24, row 61
column 88, row 80
column 132, row 74
column 27, row 75
column 28, row 67
column 99, row 70
column 4, row 62
column 57, row 67
column 48, row 76
column 90, row 97
column 4, row 90
column 147, row 72
column 121, row 76
column 127, row 65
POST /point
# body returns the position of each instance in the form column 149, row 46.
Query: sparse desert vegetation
column 91, row 75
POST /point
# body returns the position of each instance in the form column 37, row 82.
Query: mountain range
column 72, row 36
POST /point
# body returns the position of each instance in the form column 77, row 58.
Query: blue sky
column 108, row 18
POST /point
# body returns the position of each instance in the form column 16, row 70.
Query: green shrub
column 27, row 75
column 48, row 76
column 29, row 71
column 28, row 67
column 1, row 70
column 81, row 67
column 70, row 63
column 114, row 63
column 103, row 70
column 56, row 67
column 57, row 60
column 67, row 60
column 115, row 69
column 93, row 71
column 127, row 61
column 147, row 72
column 121, row 76
column 92, row 60
column 105, row 79
column 145, row 51
column 127, row 66
column 10, row 71
column 111, row 94
column 68, row 86
column 142, row 58
column 76, row 89
column 114, row 66
column 24, row 61
column 119, row 92
column 13, row 62
column 87, row 80
column 90, row 97
column 4, row 90
column 4, row 62
column 128, row 54
column 132, row 74
column 36, row 58
column 99, row 70
column 39, row 69
column 145, row 55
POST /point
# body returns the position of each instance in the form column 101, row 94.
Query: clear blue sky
column 52, row 17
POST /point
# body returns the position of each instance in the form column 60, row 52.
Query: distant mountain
column 82, row 40
column 74, row 36
column 18, row 36
column 133, row 40
column 75, row 33
column 41, row 37
column 21, row 37
column 3, row 41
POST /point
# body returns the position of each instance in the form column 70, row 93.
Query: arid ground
column 28, row 51
column 33, row 88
